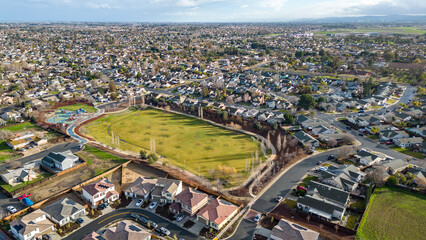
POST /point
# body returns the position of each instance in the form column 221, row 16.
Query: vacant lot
column 394, row 214
column 89, row 109
column 186, row 142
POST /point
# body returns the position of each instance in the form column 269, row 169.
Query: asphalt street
column 125, row 214
column 73, row 146
column 282, row 186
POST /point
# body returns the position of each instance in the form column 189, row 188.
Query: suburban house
column 324, row 201
column 21, row 140
column 418, row 131
column 306, row 139
column 126, row 230
column 158, row 189
column 217, row 213
column 409, row 142
column 367, row 157
column 60, row 160
column 100, row 192
column 20, row 175
column 11, row 116
column 64, row 211
column 288, row 230
column 93, row 236
column 345, row 178
column 189, row 201
column 394, row 166
column 31, row 226
column 387, row 135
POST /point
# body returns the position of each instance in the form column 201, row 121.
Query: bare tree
column 344, row 151
column 332, row 142
column 348, row 139
column 5, row 134
column 377, row 176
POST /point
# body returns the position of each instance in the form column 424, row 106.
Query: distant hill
column 366, row 19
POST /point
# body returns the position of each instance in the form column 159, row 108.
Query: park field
column 73, row 107
column 188, row 143
column 394, row 214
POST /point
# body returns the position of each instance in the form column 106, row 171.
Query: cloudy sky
column 199, row 10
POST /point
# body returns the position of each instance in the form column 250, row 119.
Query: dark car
column 80, row 220
column 331, row 157
column 180, row 217
column 143, row 220
column 320, row 162
column 361, row 134
column 46, row 237
column 101, row 207
column 348, row 127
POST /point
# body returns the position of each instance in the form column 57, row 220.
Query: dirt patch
column 135, row 170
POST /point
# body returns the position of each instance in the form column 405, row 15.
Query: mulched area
column 121, row 203
column 67, row 228
column 165, row 212
column 94, row 213
column 188, row 224
column 208, row 233
column 269, row 222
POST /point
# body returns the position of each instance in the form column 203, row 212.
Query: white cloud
column 274, row 4
column 99, row 5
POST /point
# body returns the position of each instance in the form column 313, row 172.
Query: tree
column 322, row 52
column 288, row 118
column 344, row 152
column 392, row 180
column 139, row 75
column 205, row 92
column 112, row 87
column 257, row 125
column 388, row 55
column 307, row 102
column 375, row 130
column 143, row 154
column 348, row 139
column 332, row 142
column 321, row 99
column 152, row 158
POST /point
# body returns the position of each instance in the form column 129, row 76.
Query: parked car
column 46, row 237
column 139, row 203
column 101, row 207
column 361, row 111
column 257, row 218
column 348, row 127
column 152, row 205
column 302, row 188
column 331, row 157
column 11, row 209
column 152, row 223
column 320, row 162
column 106, row 204
column 165, row 231
column 361, row 134
column 389, row 142
column 79, row 220
column 143, row 220
column 323, row 168
column 180, row 217
column 278, row 199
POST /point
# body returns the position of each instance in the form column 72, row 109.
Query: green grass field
column 418, row 155
column 19, row 127
column 394, row 214
column 400, row 30
column 89, row 109
column 186, row 142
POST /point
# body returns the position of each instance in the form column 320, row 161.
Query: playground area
column 67, row 116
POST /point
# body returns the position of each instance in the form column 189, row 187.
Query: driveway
column 125, row 214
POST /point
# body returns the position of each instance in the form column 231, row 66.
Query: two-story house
column 217, row 213
column 161, row 190
column 189, row 201
column 60, row 160
column 31, row 226
column 100, row 192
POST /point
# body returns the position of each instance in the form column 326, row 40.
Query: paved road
column 282, row 186
column 125, row 214
column 266, row 202
column 73, row 146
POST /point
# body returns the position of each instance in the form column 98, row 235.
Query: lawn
column 10, row 188
column 19, row 127
column 307, row 179
column 394, row 214
column 418, row 155
column 186, row 142
column 89, row 109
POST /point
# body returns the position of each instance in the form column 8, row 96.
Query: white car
column 139, row 203
column 152, row 205
column 12, row 209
